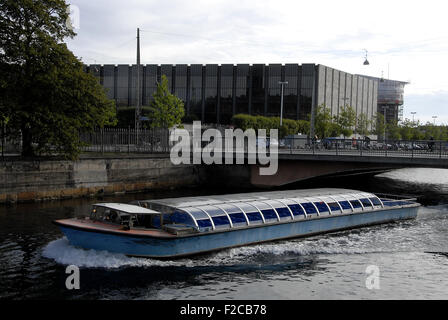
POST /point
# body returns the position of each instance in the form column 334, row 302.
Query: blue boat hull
column 204, row 242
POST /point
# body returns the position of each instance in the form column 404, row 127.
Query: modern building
column 214, row 93
column 390, row 98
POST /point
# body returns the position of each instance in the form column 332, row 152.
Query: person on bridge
column 431, row 144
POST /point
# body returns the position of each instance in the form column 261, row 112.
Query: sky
column 403, row 40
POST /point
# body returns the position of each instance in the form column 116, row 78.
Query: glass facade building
column 214, row 93
column 390, row 98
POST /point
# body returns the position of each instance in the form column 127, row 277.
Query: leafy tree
column 406, row 129
column 167, row 109
column 393, row 130
column 45, row 91
column 323, row 124
column 346, row 120
column 363, row 123
column 289, row 126
column 379, row 125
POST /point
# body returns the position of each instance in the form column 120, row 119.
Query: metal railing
column 118, row 140
column 363, row 147
column 156, row 140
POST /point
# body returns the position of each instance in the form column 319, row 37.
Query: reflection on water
column 411, row 256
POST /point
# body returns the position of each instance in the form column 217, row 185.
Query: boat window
column 237, row 217
column 155, row 221
column 296, row 209
column 230, row 208
column 356, row 204
column 309, row 208
column 260, row 205
column 345, row 205
column 334, row 206
column 375, row 201
column 204, row 223
column 321, row 206
column 213, row 211
column 283, row 212
column 269, row 214
column 181, row 218
column 197, row 214
column 221, row 221
column 254, row 216
column 246, row 207
column 365, row 202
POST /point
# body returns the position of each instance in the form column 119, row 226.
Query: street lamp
column 413, row 113
column 384, row 108
column 434, row 117
column 366, row 62
column 282, row 84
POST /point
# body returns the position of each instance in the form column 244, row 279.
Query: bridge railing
column 119, row 140
column 365, row 147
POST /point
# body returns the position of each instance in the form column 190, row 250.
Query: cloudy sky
column 405, row 40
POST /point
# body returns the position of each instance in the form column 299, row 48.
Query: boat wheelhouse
column 189, row 225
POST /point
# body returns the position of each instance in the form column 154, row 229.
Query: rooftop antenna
column 366, row 62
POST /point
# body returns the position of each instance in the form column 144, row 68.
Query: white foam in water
column 419, row 175
column 62, row 252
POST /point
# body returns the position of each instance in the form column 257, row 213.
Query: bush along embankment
column 289, row 126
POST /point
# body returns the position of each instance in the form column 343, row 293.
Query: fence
column 154, row 140
column 365, row 147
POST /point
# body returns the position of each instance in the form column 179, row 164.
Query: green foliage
column 362, row 125
column 393, row 131
column 346, row 120
column 379, row 125
column 45, row 91
column 289, row 126
column 167, row 109
column 324, row 127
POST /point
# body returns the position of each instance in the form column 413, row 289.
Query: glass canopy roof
column 248, row 209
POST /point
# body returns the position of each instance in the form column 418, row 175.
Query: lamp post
column 434, row 117
column 282, row 84
column 413, row 113
column 366, row 62
column 384, row 108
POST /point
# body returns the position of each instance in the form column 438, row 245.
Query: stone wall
column 50, row 179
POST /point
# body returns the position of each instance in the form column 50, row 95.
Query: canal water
column 403, row 260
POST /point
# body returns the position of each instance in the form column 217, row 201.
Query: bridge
column 298, row 157
column 296, row 164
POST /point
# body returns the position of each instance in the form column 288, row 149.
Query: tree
column 379, row 125
column 346, row 120
column 406, row 129
column 363, row 123
column 167, row 109
column 393, row 130
column 46, row 94
column 323, row 125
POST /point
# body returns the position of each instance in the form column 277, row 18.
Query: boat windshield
column 125, row 214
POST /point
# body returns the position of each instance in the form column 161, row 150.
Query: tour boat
column 177, row 227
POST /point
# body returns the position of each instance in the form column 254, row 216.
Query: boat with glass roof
column 177, row 227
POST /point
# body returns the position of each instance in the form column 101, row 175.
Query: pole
column 137, row 109
column 384, row 108
column 282, row 83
